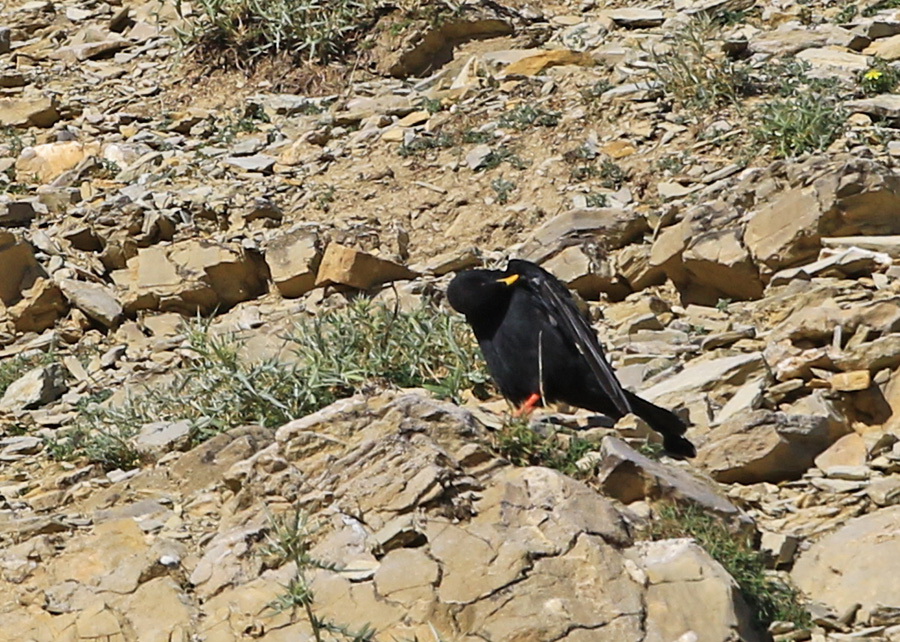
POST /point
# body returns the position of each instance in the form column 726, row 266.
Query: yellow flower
column 873, row 74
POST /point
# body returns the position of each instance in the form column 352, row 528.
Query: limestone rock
column 95, row 300
column 346, row 266
column 849, row 450
column 764, row 446
column 162, row 436
column 613, row 227
column 851, row 381
column 293, row 261
column 19, row 267
column 39, row 308
column 90, row 50
column 423, row 42
column 535, row 64
column 37, row 387
column 857, row 564
column 15, row 213
column 702, row 374
column 718, row 261
column 28, row 110
column 633, row 265
column 636, row 17
column 885, row 48
column 786, row 231
column 46, row 162
column 628, row 476
column 881, row 106
column 834, row 61
column 680, row 575
column 586, row 272
column 188, row 277
column 786, row 40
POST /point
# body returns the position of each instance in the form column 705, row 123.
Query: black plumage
column 537, row 342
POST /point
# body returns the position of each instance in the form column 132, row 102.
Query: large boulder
column 189, row 277
column 765, row 446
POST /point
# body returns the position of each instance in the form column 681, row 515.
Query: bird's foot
column 528, row 407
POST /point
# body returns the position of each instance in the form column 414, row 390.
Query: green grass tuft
column 248, row 30
column 807, row 122
column 522, row 445
column 769, row 600
column 360, row 347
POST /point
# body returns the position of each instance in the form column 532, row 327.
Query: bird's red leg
column 529, row 405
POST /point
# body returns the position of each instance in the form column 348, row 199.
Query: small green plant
column 694, row 72
column 477, row 136
column 596, row 199
column 421, row 144
column 12, row 141
column 363, row 346
column 880, row 6
column 671, row 163
column 880, row 78
column 807, row 122
column 501, row 155
column 502, row 188
column 522, row 445
column 108, row 169
column 612, row 176
column 244, row 31
column 652, row 450
column 290, row 540
column 524, row 116
column 846, row 14
column 584, row 172
column 722, row 304
column 325, row 197
column 768, row 600
column 596, row 90
column 432, row 105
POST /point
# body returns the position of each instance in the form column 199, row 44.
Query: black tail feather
column 666, row 423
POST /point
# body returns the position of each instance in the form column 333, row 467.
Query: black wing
column 574, row 326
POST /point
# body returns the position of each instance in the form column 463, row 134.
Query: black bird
column 539, row 347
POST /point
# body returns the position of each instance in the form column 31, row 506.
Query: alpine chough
column 539, row 347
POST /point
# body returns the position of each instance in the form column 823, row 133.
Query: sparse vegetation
column 476, row 136
column 695, row 73
column 611, row 175
column 769, row 599
column 804, row 123
column 524, row 116
column 242, row 32
column 325, row 197
column 871, row 10
column 596, row 199
column 421, row 144
column 522, row 445
column 880, row 78
column 290, row 540
column 362, row 346
column 502, row 188
column 501, row 155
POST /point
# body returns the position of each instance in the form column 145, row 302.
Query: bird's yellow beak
column 509, row 280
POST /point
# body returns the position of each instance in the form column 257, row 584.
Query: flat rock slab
column 882, row 106
column 35, row 388
column 858, row 563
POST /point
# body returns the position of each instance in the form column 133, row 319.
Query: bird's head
column 477, row 292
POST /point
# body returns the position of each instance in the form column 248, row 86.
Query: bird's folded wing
column 580, row 332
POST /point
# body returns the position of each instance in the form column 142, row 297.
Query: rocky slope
column 715, row 178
